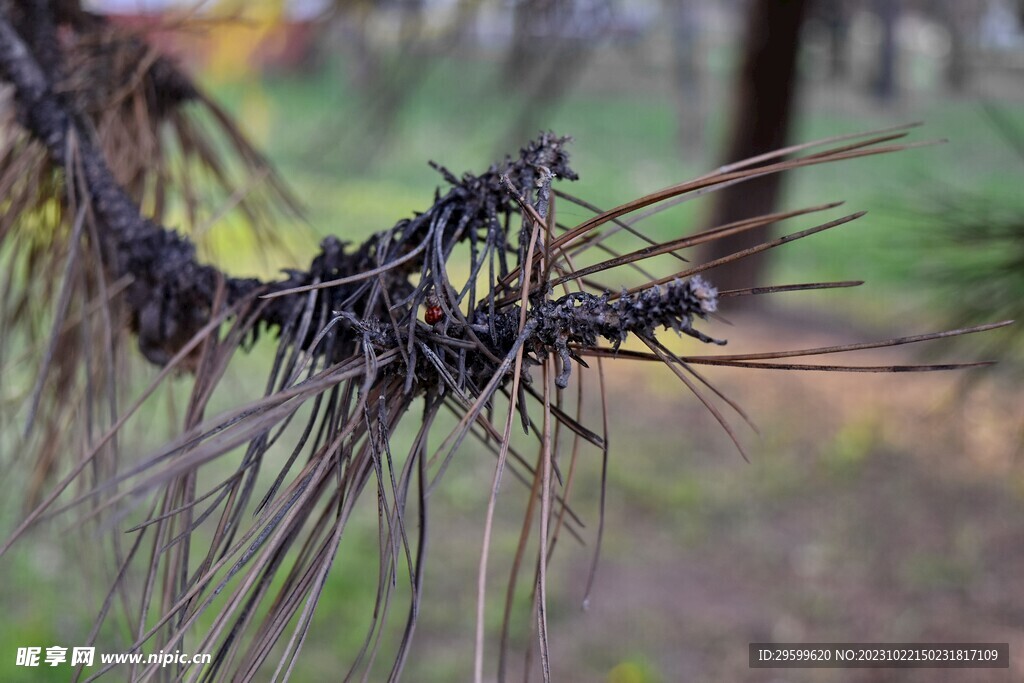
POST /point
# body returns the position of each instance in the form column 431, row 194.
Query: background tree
column 762, row 111
column 684, row 19
column 884, row 81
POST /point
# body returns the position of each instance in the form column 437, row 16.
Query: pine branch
column 172, row 295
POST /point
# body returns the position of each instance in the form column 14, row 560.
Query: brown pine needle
column 775, row 289
column 842, row 348
column 764, row 246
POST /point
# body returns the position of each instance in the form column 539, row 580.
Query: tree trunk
column 685, row 22
column 884, row 86
column 835, row 14
column 954, row 17
column 762, row 112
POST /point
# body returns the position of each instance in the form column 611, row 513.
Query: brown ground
column 884, row 508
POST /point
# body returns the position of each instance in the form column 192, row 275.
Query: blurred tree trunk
column 955, row 19
column 684, row 20
column 762, row 110
column 348, row 31
column 552, row 43
column 532, row 21
column 835, row 15
column 884, row 85
column 412, row 17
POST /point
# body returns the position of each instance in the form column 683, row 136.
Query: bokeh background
column 884, row 508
